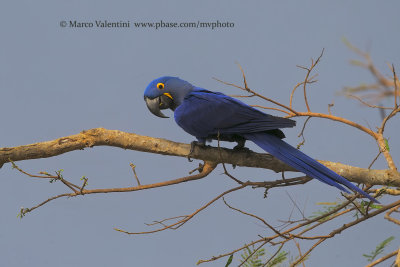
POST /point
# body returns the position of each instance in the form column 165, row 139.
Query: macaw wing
column 205, row 113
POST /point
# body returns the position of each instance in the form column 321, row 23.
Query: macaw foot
column 192, row 145
column 243, row 149
column 240, row 146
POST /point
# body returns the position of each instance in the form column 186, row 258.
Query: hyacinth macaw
column 211, row 115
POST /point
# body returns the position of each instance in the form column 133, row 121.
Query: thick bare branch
column 115, row 138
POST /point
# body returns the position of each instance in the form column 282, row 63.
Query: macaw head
column 166, row 92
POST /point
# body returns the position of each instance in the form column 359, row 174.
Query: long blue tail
column 301, row 162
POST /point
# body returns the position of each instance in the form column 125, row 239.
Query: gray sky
column 57, row 81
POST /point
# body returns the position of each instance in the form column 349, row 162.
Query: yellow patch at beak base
column 170, row 96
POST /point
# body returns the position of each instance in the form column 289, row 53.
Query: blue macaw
column 211, row 115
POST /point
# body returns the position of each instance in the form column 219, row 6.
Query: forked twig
column 186, row 218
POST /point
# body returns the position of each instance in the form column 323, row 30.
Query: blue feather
column 203, row 113
column 300, row 161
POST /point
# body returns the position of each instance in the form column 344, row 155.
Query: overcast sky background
column 58, row 81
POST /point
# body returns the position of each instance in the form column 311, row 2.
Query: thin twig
column 335, row 118
column 208, row 168
column 282, row 182
column 295, row 205
column 365, row 103
column 187, row 218
column 300, row 254
column 240, row 96
column 395, row 87
column 252, row 253
column 389, row 218
column 45, row 202
column 329, row 108
column 273, row 256
column 223, row 164
column 244, row 76
column 164, row 220
column 46, row 175
column 134, row 172
column 300, row 259
column 277, row 109
column 373, row 161
column 258, row 95
column 324, row 221
column 388, row 256
column 258, row 218
column 301, row 134
column 297, row 86
column 313, row 64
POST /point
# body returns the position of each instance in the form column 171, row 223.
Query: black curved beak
column 155, row 105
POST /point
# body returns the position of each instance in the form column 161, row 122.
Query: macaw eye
column 160, row 86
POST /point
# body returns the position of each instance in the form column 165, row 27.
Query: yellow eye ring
column 160, row 86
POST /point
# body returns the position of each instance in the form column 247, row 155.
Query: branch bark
column 115, row 138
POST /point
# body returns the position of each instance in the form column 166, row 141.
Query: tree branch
column 206, row 169
column 388, row 256
column 115, row 138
